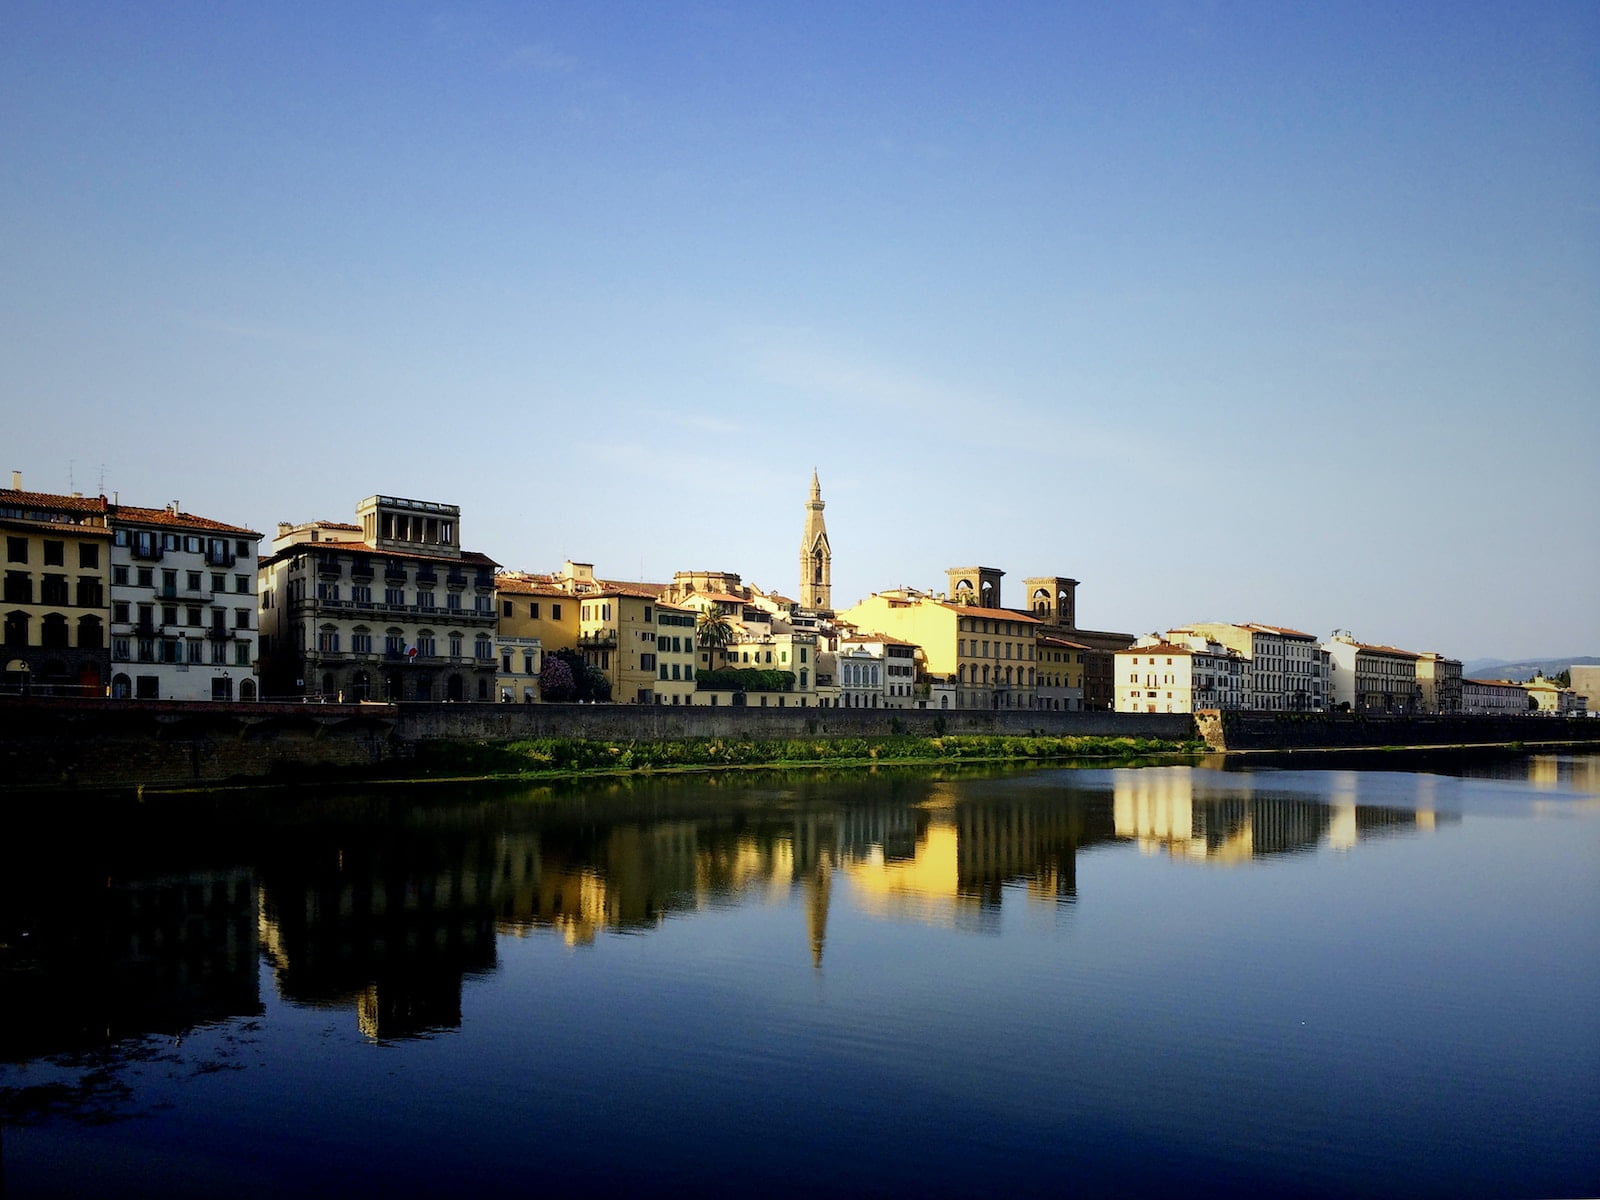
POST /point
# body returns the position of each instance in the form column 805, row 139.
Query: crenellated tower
column 816, row 556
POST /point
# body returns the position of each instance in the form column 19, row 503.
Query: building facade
column 1180, row 673
column 1439, row 683
column 184, row 619
column 391, row 608
column 57, row 574
column 1288, row 671
column 1372, row 679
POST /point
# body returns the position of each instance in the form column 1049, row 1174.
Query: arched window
column 17, row 629
column 91, row 635
column 53, row 631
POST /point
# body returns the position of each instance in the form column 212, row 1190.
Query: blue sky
column 1230, row 311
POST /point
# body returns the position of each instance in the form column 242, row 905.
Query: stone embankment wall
column 1324, row 731
column 99, row 743
column 111, row 743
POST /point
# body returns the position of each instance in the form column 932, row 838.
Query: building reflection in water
column 1202, row 818
column 388, row 919
column 89, row 964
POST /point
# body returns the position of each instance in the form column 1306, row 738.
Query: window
column 121, row 649
column 19, row 587
column 527, row 664
column 394, row 597
column 505, row 611
column 119, row 576
column 505, row 663
column 425, row 645
column 555, row 612
column 88, row 555
column 241, row 654
column 55, row 553
column 146, row 577
column 219, row 582
column 394, row 643
column 483, row 649
column 241, row 584
column 328, row 640
column 533, row 610
column 452, row 601
column 326, row 591
column 361, row 593
column 241, row 618
column 361, row 642
column 455, row 645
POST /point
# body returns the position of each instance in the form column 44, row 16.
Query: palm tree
column 714, row 631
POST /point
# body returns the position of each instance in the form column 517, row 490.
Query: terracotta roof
column 996, row 614
column 1281, row 629
column 877, row 637
column 1046, row 640
column 51, row 500
column 1166, row 649
column 470, row 558
column 130, row 514
column 1386, row 650
column 638, row 591
column 512, row 585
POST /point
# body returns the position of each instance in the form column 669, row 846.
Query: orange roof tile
column 131, row 514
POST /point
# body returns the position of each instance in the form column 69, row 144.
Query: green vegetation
column 744, row 679
column 566, row 756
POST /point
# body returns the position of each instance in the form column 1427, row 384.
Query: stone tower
column 1053, row 599
column 975, row 585
column 816, row 556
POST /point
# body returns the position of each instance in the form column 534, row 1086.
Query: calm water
column 1087, row 982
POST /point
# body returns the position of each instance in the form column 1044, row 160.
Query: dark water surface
column 1087, row 982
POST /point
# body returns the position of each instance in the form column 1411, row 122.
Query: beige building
column 1180, row 673
column 1372, row 679
column 390, row 608
column 1288, row 671
column 1586, row 682
column 1439, row 683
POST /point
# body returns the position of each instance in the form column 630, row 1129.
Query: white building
column 1180, row 673
column 183, row 606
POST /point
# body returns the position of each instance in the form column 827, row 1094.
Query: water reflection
column 1188, row 815
column 385, row 911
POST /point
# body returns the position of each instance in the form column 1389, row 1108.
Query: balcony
column 361, row 570
column 456, row 579
column 329, row 567
column 598, row 639
column 425, row 575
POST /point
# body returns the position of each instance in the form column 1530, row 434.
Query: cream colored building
column 1288, row 671
column 1372, row 679
column 1180, row 673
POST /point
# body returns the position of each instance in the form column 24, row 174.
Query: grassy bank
column 537, row 757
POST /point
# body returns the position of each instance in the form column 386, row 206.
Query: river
column 1368, row 978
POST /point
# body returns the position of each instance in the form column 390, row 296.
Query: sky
column 1239, row 312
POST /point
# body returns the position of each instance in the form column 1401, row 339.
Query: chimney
column 16, row 481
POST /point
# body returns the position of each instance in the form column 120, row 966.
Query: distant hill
column 1522, row 668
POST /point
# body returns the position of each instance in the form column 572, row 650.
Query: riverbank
column 542, row 758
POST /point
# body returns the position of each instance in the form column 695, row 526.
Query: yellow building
column 989, row 654
column 57, row 568
column 1060, row 677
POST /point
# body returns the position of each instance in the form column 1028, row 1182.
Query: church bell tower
column 816, row 556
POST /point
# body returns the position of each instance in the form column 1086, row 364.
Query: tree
column 589, row 682
column 714, row 631
column 556, row 683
